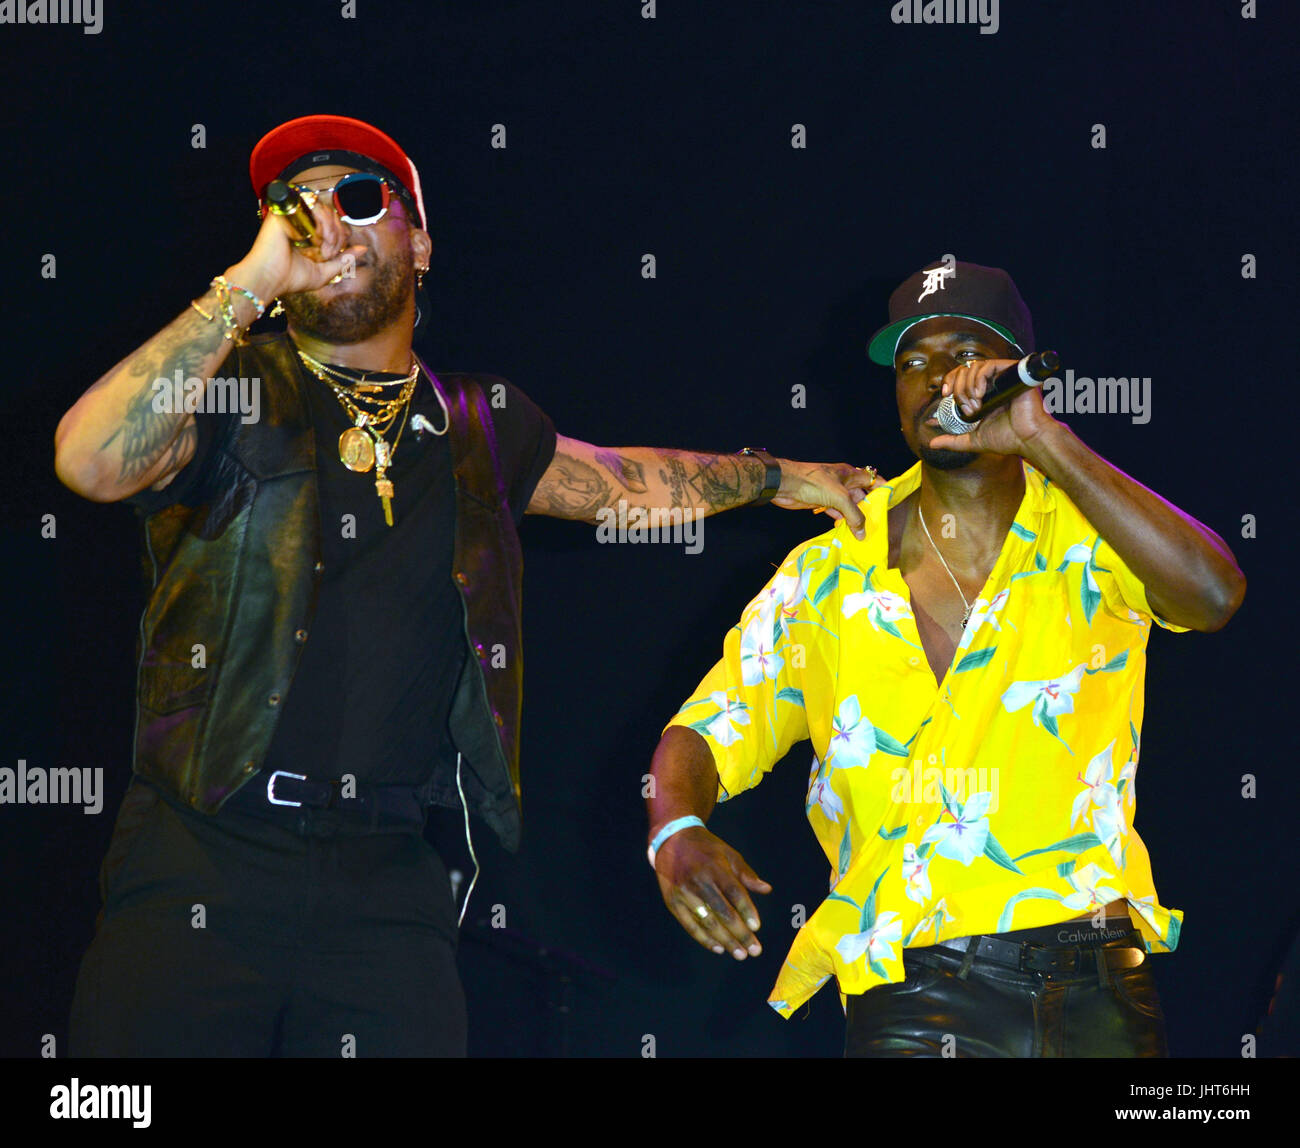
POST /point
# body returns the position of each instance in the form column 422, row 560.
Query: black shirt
column 378, row 670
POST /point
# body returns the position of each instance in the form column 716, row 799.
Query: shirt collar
column 1039, row 500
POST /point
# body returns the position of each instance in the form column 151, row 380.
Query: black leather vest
column 234, row 573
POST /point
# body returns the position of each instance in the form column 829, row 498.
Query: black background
column 671, row 136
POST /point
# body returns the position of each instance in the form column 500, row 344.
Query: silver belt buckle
column 270, row 787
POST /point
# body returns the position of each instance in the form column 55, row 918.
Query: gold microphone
column 287, row 203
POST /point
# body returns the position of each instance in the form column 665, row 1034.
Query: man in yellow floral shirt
column 971, row 678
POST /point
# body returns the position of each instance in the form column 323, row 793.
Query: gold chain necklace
column 362, row 385
column 363, row 444
column 965, row 618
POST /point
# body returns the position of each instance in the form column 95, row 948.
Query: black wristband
column 772, row 478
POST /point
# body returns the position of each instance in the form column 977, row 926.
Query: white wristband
column 674, row 826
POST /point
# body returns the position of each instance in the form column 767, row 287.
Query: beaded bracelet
column 233, row 330
column 229, row 322
column 221, row 281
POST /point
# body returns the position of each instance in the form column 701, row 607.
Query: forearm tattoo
column 629, row 473
column 144, row 433
column 574, row 488
column 717, row 481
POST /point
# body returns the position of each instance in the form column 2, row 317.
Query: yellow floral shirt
column 1001, row 800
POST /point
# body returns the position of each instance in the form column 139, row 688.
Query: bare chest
column 939, row 596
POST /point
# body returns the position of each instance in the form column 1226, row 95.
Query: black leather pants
column 1058, row 991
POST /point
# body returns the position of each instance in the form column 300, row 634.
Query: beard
column 355, row 316
column 947, row 459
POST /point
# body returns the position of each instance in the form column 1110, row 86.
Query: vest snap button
column 478, row 648
column 300, row 636
column 460, row 577
column 319, row 567
column 498, row 718
column 250, row 767
column 273, row 700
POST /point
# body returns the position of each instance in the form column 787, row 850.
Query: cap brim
column 884, row 343
column 290, row 141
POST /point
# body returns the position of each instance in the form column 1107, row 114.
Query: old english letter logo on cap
column 934, row 278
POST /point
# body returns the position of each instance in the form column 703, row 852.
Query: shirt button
column 273, row 700
column 319, row 567
column 250, row 767
column 300, row 636
column 460, row 577
column 914, row 661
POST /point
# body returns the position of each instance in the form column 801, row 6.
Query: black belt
column 404, row 804
column 1028, row 957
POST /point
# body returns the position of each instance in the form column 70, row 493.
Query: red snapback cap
column 300, row 139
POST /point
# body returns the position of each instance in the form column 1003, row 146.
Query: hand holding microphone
column 995, row 423
column 287, row 202
column 1032, row 371
column 296, row 249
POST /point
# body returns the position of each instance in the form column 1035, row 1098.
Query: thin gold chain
column 921, row 514
column 380, row 419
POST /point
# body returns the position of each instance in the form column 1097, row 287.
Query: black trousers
column 993, row 1010
column 266, row 931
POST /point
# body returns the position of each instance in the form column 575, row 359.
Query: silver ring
column 701, row 911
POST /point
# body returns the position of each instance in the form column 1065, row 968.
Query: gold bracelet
column 232, row 330
column 222, row 281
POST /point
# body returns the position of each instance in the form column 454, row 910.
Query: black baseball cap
column 986, row 295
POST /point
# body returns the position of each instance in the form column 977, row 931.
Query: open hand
column 705, row 884
column 833, row 488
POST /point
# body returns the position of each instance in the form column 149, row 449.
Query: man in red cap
column 971, row 677
column 349, row 532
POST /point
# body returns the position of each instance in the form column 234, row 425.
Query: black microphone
column 1032, row 371
column 285, row 201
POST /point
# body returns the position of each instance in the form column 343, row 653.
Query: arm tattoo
column 627, row 471
column 145, row 434
column 574, row 488
column 571, row 488
column 188, row 438
column 718, row 481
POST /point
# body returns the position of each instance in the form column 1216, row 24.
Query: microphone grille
column 950, row 420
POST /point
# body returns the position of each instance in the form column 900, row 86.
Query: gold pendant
column 356, row 450
column 384, row 488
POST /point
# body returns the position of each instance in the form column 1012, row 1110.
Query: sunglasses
column 360, row 197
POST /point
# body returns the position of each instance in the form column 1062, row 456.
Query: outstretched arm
column 584, row 479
